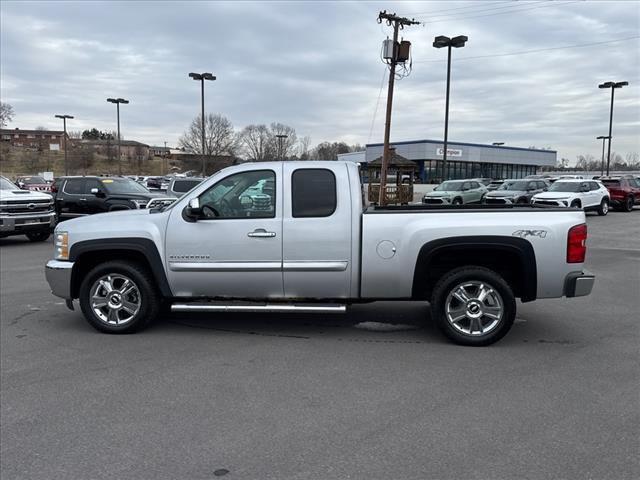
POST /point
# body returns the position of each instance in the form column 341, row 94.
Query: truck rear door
column 317, row 231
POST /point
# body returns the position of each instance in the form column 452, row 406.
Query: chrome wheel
column 474, row 308
column 115, row 299
column 605, row 207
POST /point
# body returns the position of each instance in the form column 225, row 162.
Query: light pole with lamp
column 118, row 101
column 612, row 86
column 64, row 140
column 201, row 77
column 441, row 42
column 603, row 138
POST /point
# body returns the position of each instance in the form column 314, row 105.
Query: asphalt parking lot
column 279, row 397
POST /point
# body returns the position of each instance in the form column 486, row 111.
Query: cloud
column 316, row 67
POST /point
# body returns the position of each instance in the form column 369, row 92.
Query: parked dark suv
column 78, row 196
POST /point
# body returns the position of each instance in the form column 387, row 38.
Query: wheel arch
column 89, row 253
column 511, row 257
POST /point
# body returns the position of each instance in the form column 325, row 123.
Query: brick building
column 129, row 149
column 34, row 139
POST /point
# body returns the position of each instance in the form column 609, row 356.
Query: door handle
column 261, row 233
column 82, row 199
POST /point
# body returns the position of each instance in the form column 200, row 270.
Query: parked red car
column 35, row 183
column 624, row 191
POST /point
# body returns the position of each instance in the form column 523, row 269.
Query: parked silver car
column 456, row 192
column 515, row 191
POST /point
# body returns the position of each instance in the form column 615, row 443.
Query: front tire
column 576, row 204
column 473, row 306
column 457, row 201
column 119, row 297
column 603, row 209
column 38, row 236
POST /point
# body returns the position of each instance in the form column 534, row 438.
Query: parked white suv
column 585, row 194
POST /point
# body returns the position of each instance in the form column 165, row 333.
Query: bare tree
column 6, row 114
column 256, row 142
column 284, row 147
column 303, row 148
column 220, row 137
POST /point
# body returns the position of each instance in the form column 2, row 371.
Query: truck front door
column 235, row 248
column 317, row 232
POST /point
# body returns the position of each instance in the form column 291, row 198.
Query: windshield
column 120, row 186
column 6, row 184
column 514, row 186
column 32, row 180
column 561, row 186
column 449, row 187
column 183, row 186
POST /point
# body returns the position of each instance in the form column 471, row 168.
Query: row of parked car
column 621, row 192
column 31, row 206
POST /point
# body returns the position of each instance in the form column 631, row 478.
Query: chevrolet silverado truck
column 25, row 212
column 298, row 237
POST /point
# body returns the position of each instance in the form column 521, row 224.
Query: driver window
column 243, row 195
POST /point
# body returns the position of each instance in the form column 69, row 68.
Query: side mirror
column 97, row 192
column 193, row 211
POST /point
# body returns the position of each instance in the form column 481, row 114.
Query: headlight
column 62, row 246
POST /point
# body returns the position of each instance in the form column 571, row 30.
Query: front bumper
column 27, row 222
column 579, row 284
column 58, row 276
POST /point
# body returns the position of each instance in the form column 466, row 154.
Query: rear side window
column 611, row 183
column 594, row 185
column 183, row 186
column 313, row 193
column 74, row 186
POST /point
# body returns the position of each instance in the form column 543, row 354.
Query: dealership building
column 464, row 160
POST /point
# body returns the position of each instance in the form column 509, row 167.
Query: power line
column 482, row 9
column 524, row 52
column 547, row 4
column 375, row 112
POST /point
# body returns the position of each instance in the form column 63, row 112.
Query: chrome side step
column 283, row 308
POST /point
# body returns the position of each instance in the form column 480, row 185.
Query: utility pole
column 398, row 23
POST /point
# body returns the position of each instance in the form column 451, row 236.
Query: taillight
column 577, row 244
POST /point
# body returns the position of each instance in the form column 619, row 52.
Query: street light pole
column 612, row 86
column 201, row 77
column 64, row 140
column 281, row 138
column 455, row 42
column 603, row 138
column 118, row 101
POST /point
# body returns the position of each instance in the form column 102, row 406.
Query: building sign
column 451, row 152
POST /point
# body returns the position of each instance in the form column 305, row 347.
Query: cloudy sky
column 316, row 66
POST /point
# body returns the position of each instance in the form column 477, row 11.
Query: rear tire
column 119, row 297
column 627, row 206
column 603, row 209
column 38, row 236
column 473, row 306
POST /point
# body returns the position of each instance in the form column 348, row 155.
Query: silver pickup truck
column 296, row 236
column 25, row 212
